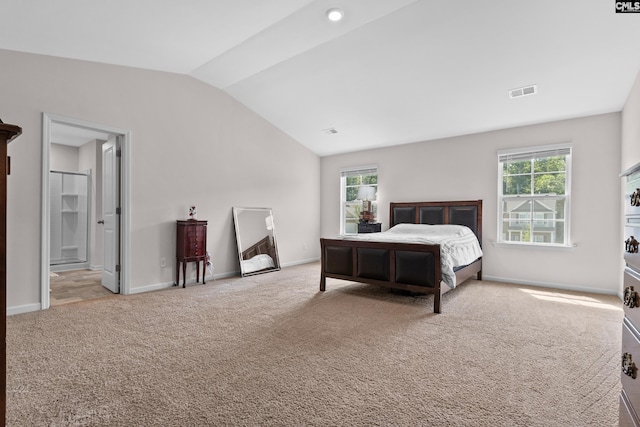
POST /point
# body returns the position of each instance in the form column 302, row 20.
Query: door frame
column 124, row 137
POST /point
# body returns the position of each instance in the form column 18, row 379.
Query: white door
column 110, row 216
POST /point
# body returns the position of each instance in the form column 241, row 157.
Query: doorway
column 65, row 131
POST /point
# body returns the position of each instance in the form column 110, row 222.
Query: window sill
column 543, row 246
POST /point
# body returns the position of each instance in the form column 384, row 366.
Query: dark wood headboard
column 264, row 246
column 468, row 213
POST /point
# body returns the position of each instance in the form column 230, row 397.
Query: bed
column 414, row 266
column 259, row 256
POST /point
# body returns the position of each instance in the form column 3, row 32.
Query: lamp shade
column 366, row 193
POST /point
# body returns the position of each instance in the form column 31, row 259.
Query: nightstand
column 369, row 227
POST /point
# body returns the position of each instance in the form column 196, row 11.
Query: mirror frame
column 237, row 226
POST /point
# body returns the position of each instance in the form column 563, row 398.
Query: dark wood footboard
column 411, row 267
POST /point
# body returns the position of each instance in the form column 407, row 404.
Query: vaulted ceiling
column 391, row 72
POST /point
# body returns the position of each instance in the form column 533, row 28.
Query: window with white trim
column 350, row 206
column 534, row 194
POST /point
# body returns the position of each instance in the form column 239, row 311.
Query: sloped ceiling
column 391, row 72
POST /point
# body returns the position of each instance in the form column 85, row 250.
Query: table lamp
column 366, row 194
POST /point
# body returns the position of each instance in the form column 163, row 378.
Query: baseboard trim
column 224, row 275
column 151, row 288
column 191, row 281
column 303, row 261
column 28, row 308
column 561, row 286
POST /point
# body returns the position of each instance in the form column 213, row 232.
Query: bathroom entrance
column 83, row 214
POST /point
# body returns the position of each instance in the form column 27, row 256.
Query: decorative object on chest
column 369, row 227
column 630, row 393
column 193, row 212
column 191, row 246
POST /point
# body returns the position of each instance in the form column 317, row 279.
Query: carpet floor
column 271, row 350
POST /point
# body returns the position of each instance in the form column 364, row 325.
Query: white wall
column 191, row 144
column 63, row 158
column 465, row 168
column 631, row 127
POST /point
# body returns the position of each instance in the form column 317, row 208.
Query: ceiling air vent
column 330, row 131
column 523, row 91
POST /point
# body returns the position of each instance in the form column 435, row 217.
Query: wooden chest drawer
column 191, row 239
column 190, row 247
column 631, row 239
column 631, row 296
column 630, row 362
column 195, row 231
column 628, row 416
column 632, row 195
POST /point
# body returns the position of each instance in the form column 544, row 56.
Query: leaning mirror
column 256, row 239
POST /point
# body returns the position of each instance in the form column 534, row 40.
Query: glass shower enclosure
column 69, row 228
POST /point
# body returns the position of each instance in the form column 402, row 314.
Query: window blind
column 365, row 170
column 532, row 155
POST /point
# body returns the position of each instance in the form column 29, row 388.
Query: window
column 534, row 195
column 350, row 181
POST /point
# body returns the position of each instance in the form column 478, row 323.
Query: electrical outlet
column 163, row 262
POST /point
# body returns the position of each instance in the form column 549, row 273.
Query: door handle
column 101, row 221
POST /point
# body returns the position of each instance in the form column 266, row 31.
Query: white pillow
column 452, row 229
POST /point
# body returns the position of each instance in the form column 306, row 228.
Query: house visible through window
column 534, row 195
column 350, row 181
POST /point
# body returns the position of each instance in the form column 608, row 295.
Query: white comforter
column 257, row 263
column 458, row 245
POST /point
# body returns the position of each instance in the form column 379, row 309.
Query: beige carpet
column 273, row 350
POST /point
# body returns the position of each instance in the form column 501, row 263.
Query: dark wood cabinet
column 630, row 377
column 191, row 246
column 369, row 227
column 7, row 133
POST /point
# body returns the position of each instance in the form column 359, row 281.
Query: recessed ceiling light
column 335, row 14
